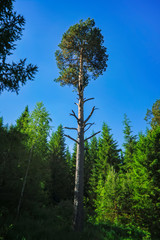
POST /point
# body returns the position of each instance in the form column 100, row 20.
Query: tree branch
column 87, row 124
column 71, row 59
column 93, row 109
column 90, row 125
column 92, row 136
column 70, row 128
column 71, row 138
column 74, row 115
column 76, row 81
column 85, row 100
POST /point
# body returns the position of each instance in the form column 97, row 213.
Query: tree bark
column 79, row 174
column 24, row 183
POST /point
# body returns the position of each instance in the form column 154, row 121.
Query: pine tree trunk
column 79, row 174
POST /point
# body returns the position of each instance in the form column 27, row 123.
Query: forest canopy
column 121, row 186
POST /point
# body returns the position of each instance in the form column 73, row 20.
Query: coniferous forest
column 121, row 187
column 121, row 194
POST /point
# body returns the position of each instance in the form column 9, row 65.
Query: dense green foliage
column 87, row 39
column 121, row 194
column 153, row 116
column 11, row 27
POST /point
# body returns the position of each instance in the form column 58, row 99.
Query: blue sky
column 131, row 83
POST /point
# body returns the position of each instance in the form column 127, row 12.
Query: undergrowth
column 55, row 223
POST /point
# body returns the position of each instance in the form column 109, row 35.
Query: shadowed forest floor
column 55, row 223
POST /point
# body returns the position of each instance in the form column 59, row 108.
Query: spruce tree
column 11, row 27
column 103, row 179
column 13, row 156
column 22, row 123
column 39, row 128
column 57, row 144
column 93, row 150
column 107, row 200
column 108, row 152
column 146, row 186
column 68, row 158
column 90, row 160
column 81, row 57
column 60, row 188
column 129, row 144
column 93, row 157
column 36, row 127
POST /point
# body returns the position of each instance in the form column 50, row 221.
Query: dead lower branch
column 85, row 100
column 92, row 136
column 71, row 138
column 74, row 115
column 93, row 109
column 87, row 124
column 70, row 128
column 90, row 125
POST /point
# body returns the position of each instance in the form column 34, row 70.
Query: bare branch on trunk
column 74, row 115
column 90, row 125
column 87, row 124
column 93, row 109
column 92, row 136
column 70, row 128
column 85, row 100
column 71, row 138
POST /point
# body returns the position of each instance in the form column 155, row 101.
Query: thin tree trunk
column 79, row 174
column 24, row 183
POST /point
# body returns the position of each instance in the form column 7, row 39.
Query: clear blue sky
column 131, row 83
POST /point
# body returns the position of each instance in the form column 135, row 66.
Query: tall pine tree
column 81, row 56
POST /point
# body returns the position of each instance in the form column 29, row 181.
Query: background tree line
column 121, row 187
